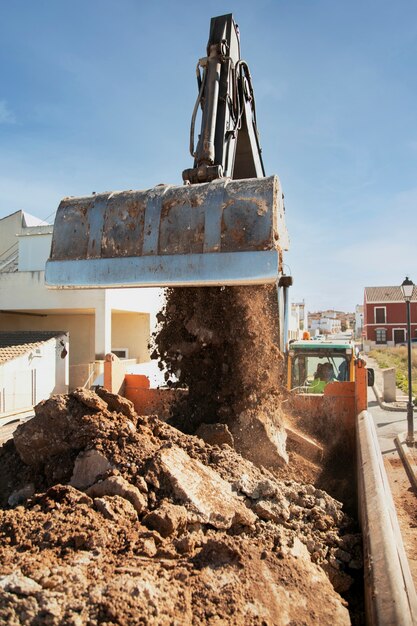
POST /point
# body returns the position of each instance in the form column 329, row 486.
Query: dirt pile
column 120, row 519
column 221, row 344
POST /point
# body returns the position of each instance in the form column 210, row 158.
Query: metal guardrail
column 390, row 596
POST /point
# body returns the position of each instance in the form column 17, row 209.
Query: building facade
column 359, row 330
column 33, row 366
column 297, row 322
column 385, row 316
column 98, row 321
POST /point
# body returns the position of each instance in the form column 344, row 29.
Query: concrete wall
column 79, row 327
column 85, row 313
column 34, row 376
column 27, row 291
column 34, row 250
column 129, row 330
column 132, row 331
column 10, row 226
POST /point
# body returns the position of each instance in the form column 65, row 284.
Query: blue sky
column 97, row 95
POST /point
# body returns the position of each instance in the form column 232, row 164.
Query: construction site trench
column 214, row 517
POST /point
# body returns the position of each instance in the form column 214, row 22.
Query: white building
column 358, row 321
column 326, row 325
column 33, row 366
column 98, row 321
column 297, row 322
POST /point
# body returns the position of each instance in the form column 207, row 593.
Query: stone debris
column 215, row 434
column 88, row 465
column 172, row 530
column 167, row 519
column 21, row 495
column 260, row 437
column 208, row 496
column 118, row 486
column 115, row 507
column 19, row 584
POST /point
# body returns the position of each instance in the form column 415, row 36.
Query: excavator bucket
column 225, row 232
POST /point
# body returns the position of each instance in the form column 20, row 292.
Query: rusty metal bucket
column 226, row 232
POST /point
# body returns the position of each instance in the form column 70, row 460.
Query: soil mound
column 113, row 518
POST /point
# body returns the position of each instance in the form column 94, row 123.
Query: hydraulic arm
column 225, row 226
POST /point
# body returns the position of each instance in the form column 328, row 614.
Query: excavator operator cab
column 312, row 365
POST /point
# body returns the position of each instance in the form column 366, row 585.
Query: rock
column 269, row 510
column 215, row 434
column 115, row 508
column 141, row 484
column 88, row 465
column 216, row 553
column 19, row 584
column 206, row 493
column 117, row 403
column 254, row 488
column 89, row 398
column 260, row 437
column 118, row 486
column 39, row 438
column 21, row 495
column 146, row 546
column 56, row 429
column 186, row 544
column 166, row 519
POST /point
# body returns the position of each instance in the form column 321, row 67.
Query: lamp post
column 407, row 288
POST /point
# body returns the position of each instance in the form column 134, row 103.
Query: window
column 306, row 368
column 398, row 335
column 380, row 335
column 121, row 353
column 380, row 315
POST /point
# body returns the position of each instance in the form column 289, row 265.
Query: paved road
column 388, row 423
column 7, row 430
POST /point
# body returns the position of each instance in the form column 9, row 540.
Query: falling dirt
column 216, row 342
column 221, row 344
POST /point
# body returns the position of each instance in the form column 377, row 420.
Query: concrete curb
column 385, row 405
column 390, row 596
column 14, row 416
column 408, row 455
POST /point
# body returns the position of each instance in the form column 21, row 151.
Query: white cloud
column 6, row 115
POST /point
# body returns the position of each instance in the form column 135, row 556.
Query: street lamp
column 407, row 288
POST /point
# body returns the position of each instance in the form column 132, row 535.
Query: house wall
column 396, row 318
column 33, row 251
column 326, row 324
column 129, row 330
column 132, row 331
column 80, row 329
column 85, row 313
column 27, row 291
column 10, row 226
column 34, row 376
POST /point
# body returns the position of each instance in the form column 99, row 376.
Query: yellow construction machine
column 328, row 380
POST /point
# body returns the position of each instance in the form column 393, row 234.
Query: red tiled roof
column 16, row 343
column 387, row 294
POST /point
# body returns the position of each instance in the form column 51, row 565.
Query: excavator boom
column 225, row 226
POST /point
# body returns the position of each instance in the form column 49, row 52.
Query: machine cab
column 313, row 364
